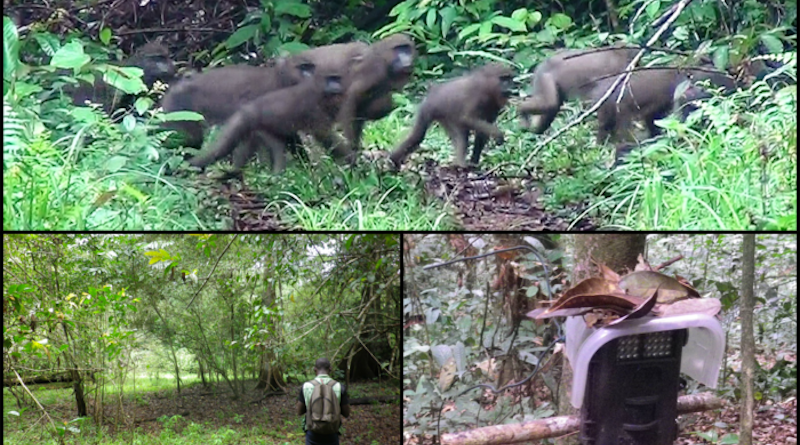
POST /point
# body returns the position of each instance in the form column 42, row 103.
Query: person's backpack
column 323, row 415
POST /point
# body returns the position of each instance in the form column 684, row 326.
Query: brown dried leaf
column 539, row 314
column 642, row 283
column 447, row 375
column 510, row 255
column 590, row 286
column 606, row 273
column 686, row 283
column 599, row 318
column 621, row 301
column 591, row 319
column 641, row 264
column 489, row 368
column 641, row 310
column 708, row 306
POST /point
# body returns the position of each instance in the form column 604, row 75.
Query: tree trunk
column 202, row 372
column 77, row 387
column 748, row 341
column 270, row 377
column 617, row 251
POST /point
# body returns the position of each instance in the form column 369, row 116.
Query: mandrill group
column 308, row 92
column 348, row 84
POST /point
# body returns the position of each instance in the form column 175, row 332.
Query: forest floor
column 479, row 200
column 775, row 424
column 486, row 201
column 213, row 408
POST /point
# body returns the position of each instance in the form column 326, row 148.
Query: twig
column 667, row 263
column 621, row 79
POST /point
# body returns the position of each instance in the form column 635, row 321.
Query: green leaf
column 128, row 79
column 534, row 18
column 449, row 15
column 509, row 23
column 730, row 439
column 721, row 57
column 129, row 123
column 653, row 9
column 546, row 36
column 10, row 48
column 520, row 14
column 157, row 256
column 293, row 47
column 182, row 116
column 413, row 349
column 560, row 21
column 69, row 56
column 241, row 36
column 469, row 30
column 105, row 35
column 143, row 104
column 773, row 44
column 115, row 163
column 266, row 22
column 430, row 18
column 485, row 29
column 48, row 43
column 293, row 8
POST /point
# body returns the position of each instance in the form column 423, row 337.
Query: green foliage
column 69, row 167
column 274, row 28
column 711, row 264
column 448, row 342
column 713, row 437
column 738, row 172
column 468, row 29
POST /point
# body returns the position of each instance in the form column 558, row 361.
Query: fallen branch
column 557, row 426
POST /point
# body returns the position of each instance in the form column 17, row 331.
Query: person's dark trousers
column 321, row 439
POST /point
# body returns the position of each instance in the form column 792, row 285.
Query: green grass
column 735, row 171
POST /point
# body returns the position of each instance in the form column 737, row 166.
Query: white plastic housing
column 701, row 357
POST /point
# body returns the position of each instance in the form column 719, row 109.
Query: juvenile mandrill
column 651, row 94
column 569, row 74
column 218, row 93
column 468, row 103
column 277, row 117
column 153, row 58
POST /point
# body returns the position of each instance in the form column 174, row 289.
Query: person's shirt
column 339, row 389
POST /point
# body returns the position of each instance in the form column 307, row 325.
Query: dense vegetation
column 731, row 166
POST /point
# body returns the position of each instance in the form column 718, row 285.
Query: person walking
column 324, row 402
